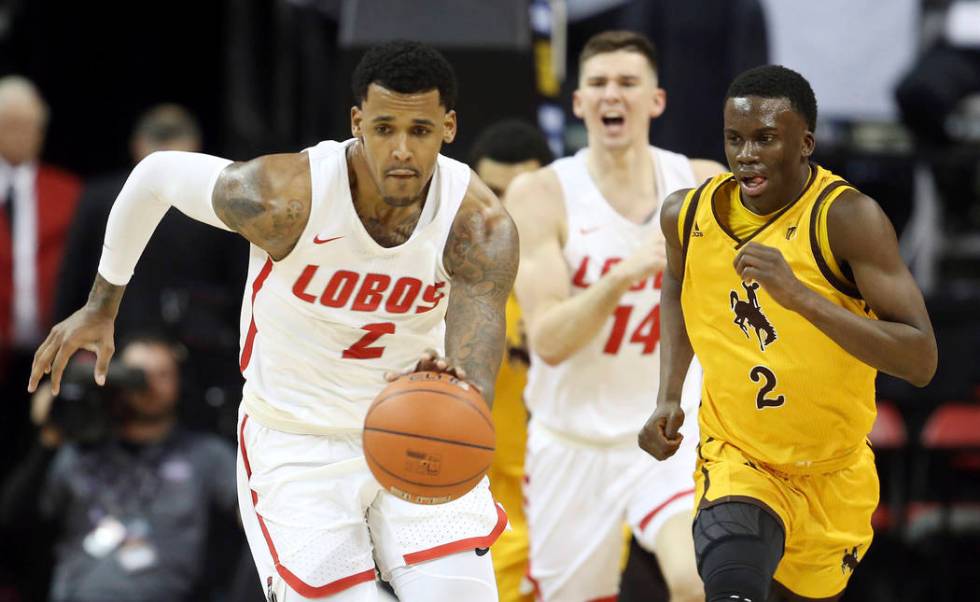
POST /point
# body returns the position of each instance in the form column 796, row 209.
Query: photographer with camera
column 127, row 491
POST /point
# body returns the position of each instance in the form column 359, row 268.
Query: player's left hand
column 430, row 361
column 768, row 267
column 660, row 436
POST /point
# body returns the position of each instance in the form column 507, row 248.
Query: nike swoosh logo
column 322, row 241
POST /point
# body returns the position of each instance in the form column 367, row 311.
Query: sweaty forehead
column 760, row 112
column 382, row 101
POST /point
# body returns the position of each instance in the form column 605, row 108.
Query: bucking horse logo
column 850, row 560
column 749, row 313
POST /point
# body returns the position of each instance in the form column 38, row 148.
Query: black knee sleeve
column 738, row 546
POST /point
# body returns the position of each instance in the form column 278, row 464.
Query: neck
column 140, row 431
column 629, row 167
column 387, row 224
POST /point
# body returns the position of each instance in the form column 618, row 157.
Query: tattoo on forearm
column 482, row 257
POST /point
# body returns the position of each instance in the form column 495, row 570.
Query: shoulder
column 671, row 211
column 706, row 168
column 267, row 200
column 56, row 176
column 268, row 174
column 856, row 224
column 535, row 199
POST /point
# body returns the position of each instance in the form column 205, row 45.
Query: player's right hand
column 660, row 436
column 84, row 329
column 649, row 259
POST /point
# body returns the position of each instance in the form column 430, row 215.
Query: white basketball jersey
column 322, row 326
column 607, row 390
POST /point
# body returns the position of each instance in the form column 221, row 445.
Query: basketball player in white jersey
column 366, row 255
column 592, row 254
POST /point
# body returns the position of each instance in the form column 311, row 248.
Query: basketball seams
column 467, row 401
column 429, row 438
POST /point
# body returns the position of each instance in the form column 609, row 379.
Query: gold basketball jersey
column 775, row 386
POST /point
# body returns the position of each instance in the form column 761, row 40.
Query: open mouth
column 753, row 185
column 613, row 120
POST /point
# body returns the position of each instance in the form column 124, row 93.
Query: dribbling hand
column 84, row 329
column 660, row 436
column 430, row 361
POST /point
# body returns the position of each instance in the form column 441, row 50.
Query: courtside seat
column 889, row 438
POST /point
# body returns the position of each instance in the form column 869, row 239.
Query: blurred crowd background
column 88, row 89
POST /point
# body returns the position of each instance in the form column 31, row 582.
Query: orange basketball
column 429, row 438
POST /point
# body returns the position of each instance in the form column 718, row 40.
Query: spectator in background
column 36, row 206
column 193, row 301
column 130, row 510
column 946, row 73
column 503, row 151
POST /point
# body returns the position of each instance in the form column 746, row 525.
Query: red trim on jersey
column 649, row 517
column 252, row 330
column 299, row 586
column 470, row 543
column 534, row 582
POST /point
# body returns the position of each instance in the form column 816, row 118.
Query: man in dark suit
column 173, row 292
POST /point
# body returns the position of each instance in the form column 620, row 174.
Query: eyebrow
column 767, row 128
column 387, row 118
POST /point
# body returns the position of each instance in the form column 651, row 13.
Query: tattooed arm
column 481, row 256
column 266, row 200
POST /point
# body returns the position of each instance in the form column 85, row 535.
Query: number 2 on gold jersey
column 761, row 401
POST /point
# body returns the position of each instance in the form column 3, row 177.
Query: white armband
column 162, row 180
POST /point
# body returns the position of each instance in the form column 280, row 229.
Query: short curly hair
column 407, row 68
column 776, row 81
column 511, row 141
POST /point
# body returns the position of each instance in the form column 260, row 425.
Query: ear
column 355, row 121
column 658, row 102
column 577, row 102
column 809, row 144
column 449, row 127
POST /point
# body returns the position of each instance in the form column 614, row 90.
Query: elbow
column 548, row 354
column 551, row 358
column 544, row 347
column 924, row 368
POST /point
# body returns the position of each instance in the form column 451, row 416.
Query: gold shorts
column 826, row 517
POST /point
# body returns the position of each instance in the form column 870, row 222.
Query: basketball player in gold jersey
column 787, row 284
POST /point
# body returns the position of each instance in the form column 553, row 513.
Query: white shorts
column 577, row 497
column 316, row 518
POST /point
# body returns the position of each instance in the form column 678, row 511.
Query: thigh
column 832, row 531
column 304, row 519
column 676, row 557
column 405, row 533
column 575, row 502
column 465, row 576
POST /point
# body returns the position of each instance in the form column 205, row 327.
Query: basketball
column 429, row 438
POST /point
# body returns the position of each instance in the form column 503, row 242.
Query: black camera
column 83, row 411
